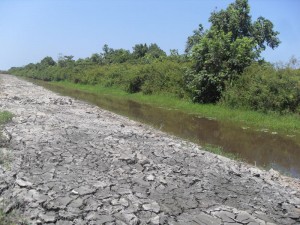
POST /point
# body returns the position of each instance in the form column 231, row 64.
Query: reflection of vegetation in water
column 220, row 151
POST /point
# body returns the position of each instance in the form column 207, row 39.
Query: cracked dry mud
column 74, row 163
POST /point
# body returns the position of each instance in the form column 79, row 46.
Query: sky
column 33, row 29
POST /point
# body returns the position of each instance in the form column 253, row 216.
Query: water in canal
column 264, row 149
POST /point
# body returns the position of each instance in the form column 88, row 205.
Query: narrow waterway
column 261, row 148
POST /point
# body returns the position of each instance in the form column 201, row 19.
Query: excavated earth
column 74, row 163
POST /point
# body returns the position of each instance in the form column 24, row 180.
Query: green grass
column 287, row 124
column 5, row 117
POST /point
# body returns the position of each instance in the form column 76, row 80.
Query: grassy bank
column 288, row 124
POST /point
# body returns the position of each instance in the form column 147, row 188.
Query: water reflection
column 263, row 149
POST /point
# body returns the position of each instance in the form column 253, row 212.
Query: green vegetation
column 221, row 72
column 268, row 89
column 5, row 117
column 163, row 75
column 222, row 52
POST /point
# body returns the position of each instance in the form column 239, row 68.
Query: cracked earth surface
column 74, row 163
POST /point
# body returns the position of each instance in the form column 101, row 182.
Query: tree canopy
column 222, row 52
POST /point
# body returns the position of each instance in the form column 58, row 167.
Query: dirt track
column 73, row 163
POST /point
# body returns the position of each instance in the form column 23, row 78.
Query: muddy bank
column 73, row 163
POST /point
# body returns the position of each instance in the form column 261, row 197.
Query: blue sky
column 33, row 29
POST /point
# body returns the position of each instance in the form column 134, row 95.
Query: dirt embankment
column 73, row 163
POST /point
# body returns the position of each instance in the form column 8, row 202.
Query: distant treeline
column 146, row 69
column 221, row 65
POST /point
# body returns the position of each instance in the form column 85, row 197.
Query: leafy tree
column 69, row 58
column 194, row 39
column 222, row 53
column 96, row 58
column 140, row 50
column 119, row 56
column 106, row 50
column 174, row 53
column 64, row 61
column 111, row 55
column 48, row 61
column 155, row 52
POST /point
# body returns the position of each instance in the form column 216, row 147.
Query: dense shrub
column 264, row 88
column 151, row 76
column 135, row 84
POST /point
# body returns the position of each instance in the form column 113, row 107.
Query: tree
column 66, row 60
column 194, row 39
column 111, row 55
column 96, row 58
column 222, row 52
column 140, row 50
column 106, row 50
column 119, row 56
column 48, row 61
column 155, row 52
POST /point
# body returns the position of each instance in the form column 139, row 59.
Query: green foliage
column 222, row 53
column 48, row 61
column 111, row 55
column 65, row 61
column 144, row 51
column 139, row 50
column 194, row 39
column 148, row 74
column 135, row 84
column 96, row 58
column 155, row 52
column 204, row 87
column 264, row 88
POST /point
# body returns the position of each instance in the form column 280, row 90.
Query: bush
column 135, row 84
column 264, row 88
column 204, row 87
